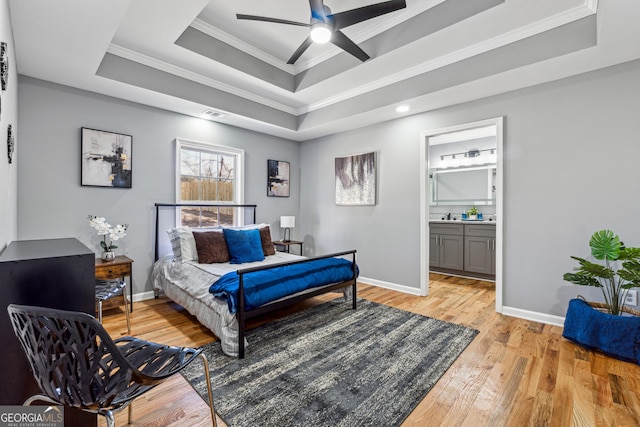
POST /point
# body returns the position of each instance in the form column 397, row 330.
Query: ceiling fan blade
column 353, row 16
column 267, row 19
column 304, row 46
column 345, row 43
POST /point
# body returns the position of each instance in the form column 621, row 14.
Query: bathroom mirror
column 463, row 186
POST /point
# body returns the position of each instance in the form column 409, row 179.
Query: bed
column 224, row 294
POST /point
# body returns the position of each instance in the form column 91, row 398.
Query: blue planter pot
column 616, row 336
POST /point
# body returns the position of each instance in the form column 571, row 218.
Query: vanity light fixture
column 471, row 153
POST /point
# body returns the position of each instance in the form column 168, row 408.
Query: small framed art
column 11, row 144
column 356, row 179
column 278, row 178
column 106, row 159
column 4, row 66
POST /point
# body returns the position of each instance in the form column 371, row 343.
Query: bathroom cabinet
column 446, row 244
column 464, row 249
column 480, row 249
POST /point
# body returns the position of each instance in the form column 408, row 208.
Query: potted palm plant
column 606, row 329
column 619, row 272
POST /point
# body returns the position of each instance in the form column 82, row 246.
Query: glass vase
column 108, row 256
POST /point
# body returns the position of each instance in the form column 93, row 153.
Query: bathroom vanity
column 465, row 248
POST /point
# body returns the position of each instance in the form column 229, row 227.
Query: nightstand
column 285, row 246
column 119, row 268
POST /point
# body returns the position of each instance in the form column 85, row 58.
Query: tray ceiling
column 191, row 55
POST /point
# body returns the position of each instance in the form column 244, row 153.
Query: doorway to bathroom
column 461, row 202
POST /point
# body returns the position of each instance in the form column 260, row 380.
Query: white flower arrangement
column 104, row 229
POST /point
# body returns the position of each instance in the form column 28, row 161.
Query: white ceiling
column 190, row 55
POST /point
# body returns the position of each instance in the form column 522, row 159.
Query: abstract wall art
column 106, row 159
column 356, row 179
column 278, row 178
column 11, row 144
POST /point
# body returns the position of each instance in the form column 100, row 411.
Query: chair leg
column 207, row 376
column 130, row 410
column 111, row 421
column 126, row 310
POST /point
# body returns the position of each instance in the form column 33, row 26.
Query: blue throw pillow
column 244, row 245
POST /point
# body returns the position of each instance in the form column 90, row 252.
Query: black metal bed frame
column 243, row 315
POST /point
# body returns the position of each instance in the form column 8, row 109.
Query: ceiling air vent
column 212, row 114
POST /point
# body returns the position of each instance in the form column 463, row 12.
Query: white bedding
column 187, row 283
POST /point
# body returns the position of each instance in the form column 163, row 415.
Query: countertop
column 462, row 221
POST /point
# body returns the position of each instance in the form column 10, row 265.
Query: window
column 208, row 173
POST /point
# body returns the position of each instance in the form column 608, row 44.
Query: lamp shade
column 287, row 221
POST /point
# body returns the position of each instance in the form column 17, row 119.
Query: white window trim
column 200, row 145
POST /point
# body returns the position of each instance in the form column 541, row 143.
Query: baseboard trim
column 389, row 285
column 549, row 319
column 142, row 296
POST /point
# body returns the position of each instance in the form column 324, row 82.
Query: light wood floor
column 514, row 373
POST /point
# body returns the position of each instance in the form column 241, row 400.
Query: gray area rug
column 329, row 365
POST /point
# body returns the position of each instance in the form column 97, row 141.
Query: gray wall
column 52, row 203
column 8, row 116
column 571, row 150
column 571, row 153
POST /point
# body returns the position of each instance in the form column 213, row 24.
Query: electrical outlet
column 631, row 298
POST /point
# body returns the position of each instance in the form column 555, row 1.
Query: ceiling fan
column 325, row 26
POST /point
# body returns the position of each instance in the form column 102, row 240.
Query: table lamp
column 287, row 222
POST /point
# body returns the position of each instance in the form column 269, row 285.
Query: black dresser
column 56, row 273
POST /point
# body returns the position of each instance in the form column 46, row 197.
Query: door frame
column 498, row 122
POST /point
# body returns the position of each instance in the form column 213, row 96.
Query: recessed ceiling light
column 402, row 109
column 212, row 114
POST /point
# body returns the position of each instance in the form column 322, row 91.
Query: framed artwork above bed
column 278, row 178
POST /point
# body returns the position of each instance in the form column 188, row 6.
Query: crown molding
column 235, row 42
column 140, row 58
column 587, row 9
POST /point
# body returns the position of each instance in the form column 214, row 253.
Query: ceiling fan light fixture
column 320, row 33
column 326, row 26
